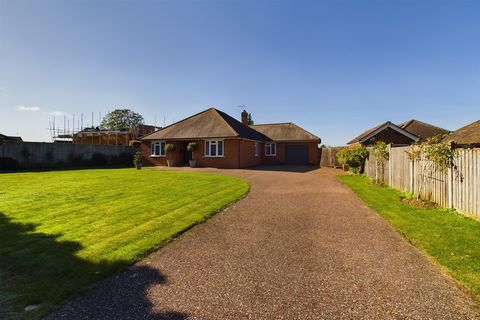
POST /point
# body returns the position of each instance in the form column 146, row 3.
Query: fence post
column 329, row 157
column 451, row 178
column 412, row 175
column 390, row 165
column 330, row 153
column 450, row 187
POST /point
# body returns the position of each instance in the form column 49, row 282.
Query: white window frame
column 255, row 149
column 208, row 144
column 268, row 146
column 162, row 150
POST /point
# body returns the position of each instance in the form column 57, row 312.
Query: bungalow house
column 399, row 135
column 225, row 142
column 468, row 135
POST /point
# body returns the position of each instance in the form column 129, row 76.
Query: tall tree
column 250, row 119
column 121, row 119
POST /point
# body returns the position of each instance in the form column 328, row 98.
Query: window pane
column 162, row 148
column 220, row 148
column 273, row 148
column 152, row 148
column 213, row 149
column 157, row 149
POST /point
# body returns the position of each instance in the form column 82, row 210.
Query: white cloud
column 57, row 113
column 25, row 108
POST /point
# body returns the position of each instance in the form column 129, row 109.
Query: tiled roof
column 469, row 134
column 421, row 129
column 285, row 132
column 211, row 123
column 367, row 134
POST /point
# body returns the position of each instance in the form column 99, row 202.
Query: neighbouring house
column 10, row 138
column 96, row 135
column 225, row 142
column 398, row 135
column 387, row 132
column 423, row 130
column 467, row 136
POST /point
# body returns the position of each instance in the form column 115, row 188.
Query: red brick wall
column 313, row 153
column 247, row 154
column 148, row 159
column 229, row 160
column 237, row 154
column 278, row 159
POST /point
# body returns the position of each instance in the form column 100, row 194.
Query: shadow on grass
column 41, row 271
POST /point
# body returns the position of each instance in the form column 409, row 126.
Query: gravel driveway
column 299, row 246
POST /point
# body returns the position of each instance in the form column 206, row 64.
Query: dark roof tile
column 469, row 134
column 210, row 123
column 285, row 132
column 365, row 135
column 421, row 129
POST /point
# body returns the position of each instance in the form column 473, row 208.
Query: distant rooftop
column 469, row 134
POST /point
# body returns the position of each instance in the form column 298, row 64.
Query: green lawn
column 60, row 231
column 453, row 240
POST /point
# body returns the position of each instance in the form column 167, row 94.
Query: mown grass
column 453, row 240
column 61, row 231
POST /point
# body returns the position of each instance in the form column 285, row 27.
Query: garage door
column 296, row 154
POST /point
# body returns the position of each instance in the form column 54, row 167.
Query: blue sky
column 334, row 67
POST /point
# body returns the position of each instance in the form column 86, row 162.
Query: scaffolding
column 94, row 134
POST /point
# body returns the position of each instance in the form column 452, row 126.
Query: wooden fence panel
column 328, row 157
column 370, row 168
column 465, row 192
column 456, row 188
column 400, row 167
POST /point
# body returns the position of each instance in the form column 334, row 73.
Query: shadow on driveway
column 124, row 296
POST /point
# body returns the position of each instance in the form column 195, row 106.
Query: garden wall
column 33, row 155
column 457, row 188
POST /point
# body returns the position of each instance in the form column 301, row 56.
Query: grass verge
column 452, row 239
column 61, row 231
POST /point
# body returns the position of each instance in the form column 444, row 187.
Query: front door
column 187, row 155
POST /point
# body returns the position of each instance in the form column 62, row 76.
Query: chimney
column 245, row 117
